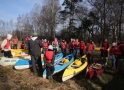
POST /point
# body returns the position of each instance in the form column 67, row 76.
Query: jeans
column 113, row 61
column 75, row 52
column 64, row 52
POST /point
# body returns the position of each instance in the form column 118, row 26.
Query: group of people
column 34, row 45
column 115, row 53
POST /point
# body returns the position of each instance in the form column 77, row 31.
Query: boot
column 50, row 78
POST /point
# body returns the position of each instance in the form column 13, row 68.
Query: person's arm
column 3, row 44
column 53, row 58
column 28, row 47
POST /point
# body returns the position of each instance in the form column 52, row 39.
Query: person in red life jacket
column 34, row 50
column 89, row 52
column 76, row 48
column 63, row 46
column 45, row 45
column 6, row 46
column 55, row 45
column 15, row 42
column 112, row 54
column 104, row 51
column 22, row 45
column 82, row 48
column 71, row 43
column 49, row 58
column 26, row 40
column 120, row 57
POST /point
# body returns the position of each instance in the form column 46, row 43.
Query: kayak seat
column 61, row 63
column 75, row 66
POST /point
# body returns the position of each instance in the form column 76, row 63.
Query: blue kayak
column 59, row 66
column 25, row 63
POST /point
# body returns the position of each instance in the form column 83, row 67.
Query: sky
column 11, row 9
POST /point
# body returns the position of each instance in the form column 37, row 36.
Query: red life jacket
column 71, row 45
column 112, row 50
column 82, row 46
column 54, row 43
column 26, row 39
column 7, row 44
column 63, row 45
column 22, row 46
column 45, row 45
column 105, row 45
column 49, row 56
column 118, row 51
column 76, row 44
column 90, row 46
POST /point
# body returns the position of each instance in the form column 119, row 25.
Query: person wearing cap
column 6, row 46
column 49, row 58
column 34, row 50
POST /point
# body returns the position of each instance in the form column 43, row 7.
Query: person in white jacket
column 6, row 46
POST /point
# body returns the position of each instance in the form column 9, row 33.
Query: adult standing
column 63, row 45
column 15, row 42
column 26, row 41
column 6, row 46
column 45, row 46
column 120, row 56
column 70, row 46
column 112, row 53
column 49, row 58
column 34, row 48
column 82, row 48
column 89, row 52
column 55, row 45
column 104, row 51
column 76, row 48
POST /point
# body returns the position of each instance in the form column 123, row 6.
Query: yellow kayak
column 73, row 69
column 98, row 48
column 20, row 52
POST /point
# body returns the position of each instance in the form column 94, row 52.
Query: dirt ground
column 11, row 79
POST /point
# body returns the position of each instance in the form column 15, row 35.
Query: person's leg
column 51, row 71
column 48, row 73
column 40, row 64
column 10, row 54
column 55, row 51
column 33, row 64
column 5, row 53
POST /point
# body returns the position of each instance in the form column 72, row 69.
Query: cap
column 35, row 34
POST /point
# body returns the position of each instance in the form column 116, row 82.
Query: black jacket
column 34, row 47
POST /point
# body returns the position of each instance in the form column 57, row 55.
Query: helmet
column 50, row 47
column 45, row 40
column 9, row 36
